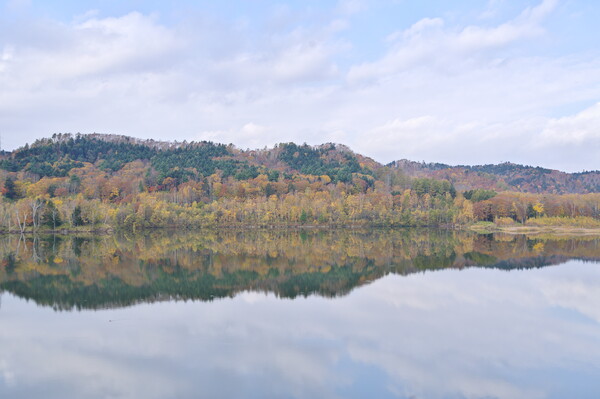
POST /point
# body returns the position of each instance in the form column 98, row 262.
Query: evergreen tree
column 10, row 191
column 77, row 219
column 51, row 216
column 303, row 217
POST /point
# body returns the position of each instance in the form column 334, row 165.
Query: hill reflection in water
column 93, row 272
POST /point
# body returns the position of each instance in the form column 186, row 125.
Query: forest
column 97, row 182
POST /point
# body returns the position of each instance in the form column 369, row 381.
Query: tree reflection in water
column 94, row 272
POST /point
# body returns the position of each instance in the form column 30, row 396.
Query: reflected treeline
column 76, row 272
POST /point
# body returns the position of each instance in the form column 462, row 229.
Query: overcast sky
column 460, row 82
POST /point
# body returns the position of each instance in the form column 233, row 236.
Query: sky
column 460, row 82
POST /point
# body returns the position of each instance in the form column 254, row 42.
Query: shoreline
column 59, row 231
column 557, row 230
column 481, row 229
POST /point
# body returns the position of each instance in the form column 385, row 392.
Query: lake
column 300, row 314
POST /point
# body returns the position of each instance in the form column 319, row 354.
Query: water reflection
column 458, row 332
column 111, row 271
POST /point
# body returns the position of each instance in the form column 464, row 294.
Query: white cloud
column 133, row 41
column 18, row 4
column 412, row 133
column 350, row 7
column 420, row 27
column 491, row 9
column 251, row 134
column 583, row 127
column 425, row 42
column 304, row 60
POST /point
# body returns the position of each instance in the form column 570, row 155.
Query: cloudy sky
column 461, row 82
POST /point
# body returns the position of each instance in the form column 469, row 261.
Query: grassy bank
column 556, row 225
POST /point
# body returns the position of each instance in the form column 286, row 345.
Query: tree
column 270, row 190
column 35, row 205
column 10, row 191
column 538, row 208
column 51, row 216
column 77, row 219
column 303, row 217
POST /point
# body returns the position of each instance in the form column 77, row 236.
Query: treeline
column 522, row 207
column 259, row 202
column 236, row 205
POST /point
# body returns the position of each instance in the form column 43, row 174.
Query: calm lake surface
column 328, row 314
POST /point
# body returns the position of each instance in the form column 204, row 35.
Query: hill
column 504, row 177
column 59, row 155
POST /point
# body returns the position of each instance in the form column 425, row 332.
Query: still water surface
column 398, row 314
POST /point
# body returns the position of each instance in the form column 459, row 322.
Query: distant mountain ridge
column 506, row 176
column 58, row 155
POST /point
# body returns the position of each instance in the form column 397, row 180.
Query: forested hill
column 178, row 162
column 504, row 177
column 165, row 165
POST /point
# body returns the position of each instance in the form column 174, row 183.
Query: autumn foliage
column 91, row 182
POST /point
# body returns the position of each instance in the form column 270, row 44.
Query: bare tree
column 35, row 204
column 22, row 225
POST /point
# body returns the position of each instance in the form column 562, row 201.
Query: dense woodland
column 101, row 181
